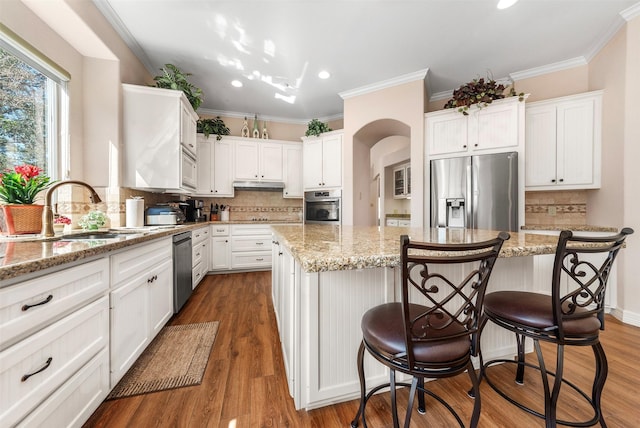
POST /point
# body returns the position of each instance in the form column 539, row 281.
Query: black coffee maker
column 195, row 210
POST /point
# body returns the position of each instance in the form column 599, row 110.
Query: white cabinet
column 292, row 170
column 159, row 135
column 54, row 331
column 141, row 301
column 402, row 222
column 205, row 183
column 220, row 254
column 402, row 181
column 250, row 246
column 221, row 176
column 200, row 254
column 258, row 160
column 322, row 161
column 487, row 129
column 563, row 143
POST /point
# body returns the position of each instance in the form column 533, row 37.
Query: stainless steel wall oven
column 323, row 206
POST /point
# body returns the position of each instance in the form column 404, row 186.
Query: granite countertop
column 326, row 248
column 18, row 257
column 573, row 227
column 255, row 222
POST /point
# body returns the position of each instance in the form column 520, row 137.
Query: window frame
column 57, row 140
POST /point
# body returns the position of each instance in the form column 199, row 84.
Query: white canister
column 224, row 215
column 134, row 212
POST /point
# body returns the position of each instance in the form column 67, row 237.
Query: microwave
column 323, row 206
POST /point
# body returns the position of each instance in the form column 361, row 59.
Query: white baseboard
column 629, row 317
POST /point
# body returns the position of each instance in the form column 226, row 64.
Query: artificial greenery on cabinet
column 212, row 126
column 316, row 127
column 481, row 92
column 173, row 78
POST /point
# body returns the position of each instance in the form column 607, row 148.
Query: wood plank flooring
column 245, row 386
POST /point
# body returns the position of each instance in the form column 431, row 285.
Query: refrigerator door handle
column 469, row 197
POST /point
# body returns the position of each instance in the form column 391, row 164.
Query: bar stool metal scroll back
column 432, row 332
column 572, row 315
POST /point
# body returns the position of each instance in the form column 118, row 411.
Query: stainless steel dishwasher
column 182, row 282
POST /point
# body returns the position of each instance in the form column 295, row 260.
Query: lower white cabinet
column 39, row 366
column 141, row 303
column 53, row 330
column 250, row 246
column 240, row 247
column 200, row 254
column 220, row 254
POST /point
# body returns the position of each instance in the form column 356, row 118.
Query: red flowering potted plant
column 18, row 190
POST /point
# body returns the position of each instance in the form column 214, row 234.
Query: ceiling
column 276, row 48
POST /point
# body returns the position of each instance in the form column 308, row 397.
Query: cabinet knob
column 475, row 145
column 553, row 180
column 464, row 146
column 561, row 180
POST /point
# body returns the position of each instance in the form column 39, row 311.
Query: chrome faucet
column 47, row 213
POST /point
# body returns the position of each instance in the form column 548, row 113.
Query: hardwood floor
column 245, row 386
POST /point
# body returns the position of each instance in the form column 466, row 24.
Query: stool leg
column 602, row 369
column 422, row 409
column 412, row 396
column 520, row 339
column 549, row 403
column 475, row 387
column 363, row 387
column 482, row 323
column 394, row 402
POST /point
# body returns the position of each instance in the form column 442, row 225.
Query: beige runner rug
column 177, row 357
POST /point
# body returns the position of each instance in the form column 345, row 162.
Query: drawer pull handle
column 259, row 259
column 259, row 243
column 46, row 366
column 153, row 278
column 44, row 302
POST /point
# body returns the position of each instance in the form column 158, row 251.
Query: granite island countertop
column 328, row 248
column 573, row 227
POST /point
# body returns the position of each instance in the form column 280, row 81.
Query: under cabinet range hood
column 259, row 185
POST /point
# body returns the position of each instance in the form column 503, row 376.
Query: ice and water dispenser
column 451, row 212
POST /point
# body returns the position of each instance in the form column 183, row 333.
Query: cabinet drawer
column 71, row 404
column 253, row 259
column 199, row 235
column 250, row 229
column 29, row 306
column 197, row 253
column 198, row 274
column 219, row 230
column 132, row 262
column 48, row 358
column 250, row 243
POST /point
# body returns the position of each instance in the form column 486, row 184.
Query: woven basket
column 21, row 219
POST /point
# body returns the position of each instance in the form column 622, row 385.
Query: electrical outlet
column 551, row 210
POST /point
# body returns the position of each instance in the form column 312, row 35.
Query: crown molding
column 406, row 78
column 112, row 17
column 631, row 12
column 549, row 68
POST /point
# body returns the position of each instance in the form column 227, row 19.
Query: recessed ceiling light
column 324, row 74
column 236, row 83
column 503, row 4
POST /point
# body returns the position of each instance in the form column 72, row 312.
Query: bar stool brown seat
column 572, row 315
column 432, row 332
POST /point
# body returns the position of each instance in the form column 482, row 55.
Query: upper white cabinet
column 258, row 160
column 215, row 172
column 292, row 170
column 322, row 161
column 563, row 143
column 159, row 134
column 484, row 130
column 402, row 181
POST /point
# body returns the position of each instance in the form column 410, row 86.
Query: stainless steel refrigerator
column 475, row 192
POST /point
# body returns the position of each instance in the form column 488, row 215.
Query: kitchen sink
column 91, row 235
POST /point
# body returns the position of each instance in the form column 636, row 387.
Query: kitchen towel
column 134, row 211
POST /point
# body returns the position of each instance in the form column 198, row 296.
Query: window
column 33, row 105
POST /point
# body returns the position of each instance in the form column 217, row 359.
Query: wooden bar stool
column 572, row 315
column 432, row 332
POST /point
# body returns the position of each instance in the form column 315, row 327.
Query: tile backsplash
column 556, row 208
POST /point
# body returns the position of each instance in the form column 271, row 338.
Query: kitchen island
column 325, row 277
